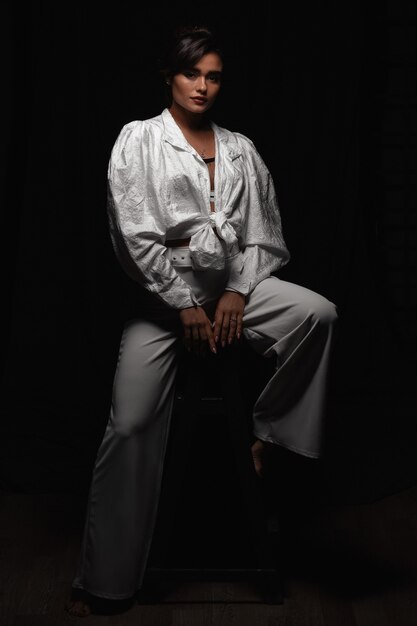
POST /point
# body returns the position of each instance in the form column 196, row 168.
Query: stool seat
column 208, row 386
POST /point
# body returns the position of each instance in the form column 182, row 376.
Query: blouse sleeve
column 137, row 226
column 264, row 250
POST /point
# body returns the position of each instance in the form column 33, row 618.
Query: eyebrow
column 195, row 69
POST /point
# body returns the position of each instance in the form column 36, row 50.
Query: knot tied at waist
column 208, row 247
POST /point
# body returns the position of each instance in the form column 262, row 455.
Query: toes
column 258, row 469
column 78, row 608
column 257, row 450
column 261, row 451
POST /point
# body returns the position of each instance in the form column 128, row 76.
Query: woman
column 194, row 220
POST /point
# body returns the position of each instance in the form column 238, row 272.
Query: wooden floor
column 345, row 565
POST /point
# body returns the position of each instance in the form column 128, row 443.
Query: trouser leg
column 126, row 481
column 294, row 325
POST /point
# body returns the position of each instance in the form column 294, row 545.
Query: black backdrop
column 310, row 87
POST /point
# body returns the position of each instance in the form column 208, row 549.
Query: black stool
column 208, row 386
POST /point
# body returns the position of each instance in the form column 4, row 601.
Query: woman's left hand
column 228, row 319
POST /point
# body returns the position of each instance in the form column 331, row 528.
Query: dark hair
column 187, row 46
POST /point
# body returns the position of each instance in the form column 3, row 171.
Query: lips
column 199, row 100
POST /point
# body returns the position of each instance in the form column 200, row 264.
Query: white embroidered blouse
column 159, row 189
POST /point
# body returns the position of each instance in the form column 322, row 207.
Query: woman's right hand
column 198, row 331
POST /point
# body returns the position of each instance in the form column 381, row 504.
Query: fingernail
column 230, row 340
column 238, row 335
column 216, row 339
column 214, row 349
column 223, row 344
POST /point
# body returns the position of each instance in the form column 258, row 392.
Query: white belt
column 179, row 256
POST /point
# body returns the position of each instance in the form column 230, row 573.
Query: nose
column 201, row 84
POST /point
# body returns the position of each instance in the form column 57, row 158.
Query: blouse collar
column 174, row 135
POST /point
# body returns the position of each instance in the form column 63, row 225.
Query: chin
column 202, row 107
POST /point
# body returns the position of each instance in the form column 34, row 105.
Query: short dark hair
column 188, row 44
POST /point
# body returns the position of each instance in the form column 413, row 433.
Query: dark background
column 327, row 94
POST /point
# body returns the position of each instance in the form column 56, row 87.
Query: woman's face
column 195, row 89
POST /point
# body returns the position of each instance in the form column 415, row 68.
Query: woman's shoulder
column 242, row 141
column 243, row 145
column 150, row 126
column 136, row 138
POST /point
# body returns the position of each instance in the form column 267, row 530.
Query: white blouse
column 159, row 189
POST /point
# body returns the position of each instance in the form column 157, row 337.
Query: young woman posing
column 195, row 222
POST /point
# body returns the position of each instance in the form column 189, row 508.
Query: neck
column 186, row 119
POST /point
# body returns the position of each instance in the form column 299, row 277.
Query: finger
column 225, row 328
column 232, row 329
column 203, row 341
column 218, row 320
column 210, row 337
column 239, row 326
column 195, row 336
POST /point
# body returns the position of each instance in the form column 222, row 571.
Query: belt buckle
column 180, row 256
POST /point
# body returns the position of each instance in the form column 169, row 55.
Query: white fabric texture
column 159, row 189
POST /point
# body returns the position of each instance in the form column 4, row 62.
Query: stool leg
column 181, row 437
column 263, row 528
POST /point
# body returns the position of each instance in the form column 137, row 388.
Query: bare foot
column 258, row 454
column 78, row 608
column 82, row 604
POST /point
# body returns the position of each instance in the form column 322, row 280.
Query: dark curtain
column 309, row 87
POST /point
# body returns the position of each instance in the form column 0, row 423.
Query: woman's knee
column 308, row 305
column 126, row 424
column 135, row 407
column 322, row 310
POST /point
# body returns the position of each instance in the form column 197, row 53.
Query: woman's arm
column 264, row 249
column 137, row 226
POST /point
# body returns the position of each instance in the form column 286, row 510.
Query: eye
column 214, row 78
column 189, row 73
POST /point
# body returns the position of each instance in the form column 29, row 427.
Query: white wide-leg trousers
column 281, row 320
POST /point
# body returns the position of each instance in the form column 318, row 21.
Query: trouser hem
column 308, row 453
column 106, row 596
